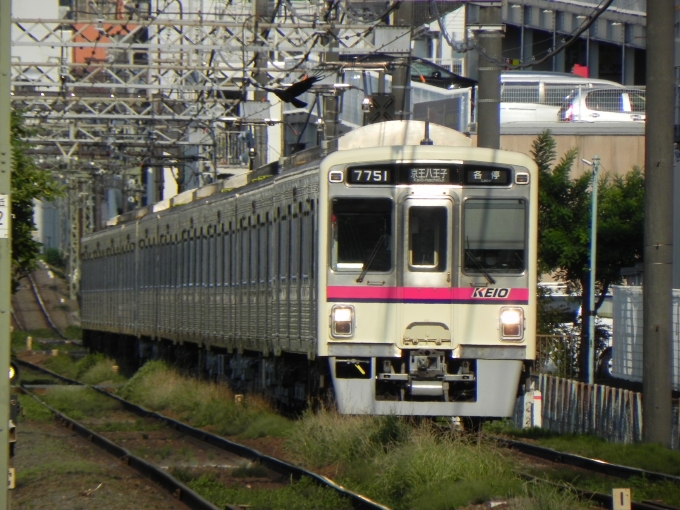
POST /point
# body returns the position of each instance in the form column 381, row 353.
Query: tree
column 564, row 227
column 28, row 183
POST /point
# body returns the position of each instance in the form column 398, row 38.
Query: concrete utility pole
column 5, row 239
column 593, row 263
column 489, row 35
column 658, row 269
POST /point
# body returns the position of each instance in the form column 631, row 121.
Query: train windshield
column 494, row 236
column 361, row 230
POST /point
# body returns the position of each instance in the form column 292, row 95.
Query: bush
column 54, row 258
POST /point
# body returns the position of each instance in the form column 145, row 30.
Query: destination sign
column 429, row 175
column 485, row 175
column 466, row 174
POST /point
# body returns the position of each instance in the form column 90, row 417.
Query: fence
column 613, row 414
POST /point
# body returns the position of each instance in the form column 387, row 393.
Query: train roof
column 382, row 134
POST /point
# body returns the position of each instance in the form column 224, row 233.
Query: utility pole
column 489, row 34
column 593, row 262
column 330, row 113
column 401, row 77
column 5, row 240
column 658, row 250
column 261, row 11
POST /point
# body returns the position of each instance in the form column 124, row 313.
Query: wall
column 620, row 149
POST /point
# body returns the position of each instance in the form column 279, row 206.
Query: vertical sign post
column 5, row 239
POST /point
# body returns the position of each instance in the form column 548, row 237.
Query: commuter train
column 397, row 271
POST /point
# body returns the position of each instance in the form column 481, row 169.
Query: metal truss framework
column 153, row 83
column 111, row 85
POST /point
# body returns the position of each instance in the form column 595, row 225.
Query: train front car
column 427, row 302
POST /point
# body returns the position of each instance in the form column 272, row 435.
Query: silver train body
column 400, row 274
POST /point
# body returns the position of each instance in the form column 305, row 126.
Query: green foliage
column 134, row 386
column 159, row 388
column 564, row 212
column 414, row 470
column 91, row 369
column 324, row 438
column 564, row 230
column 54, row 258
column 73, row 332
column 32, row 410
column 78, row 402
column 249, row 471
column 539, row 496
column 650, row 457
column 300, row 495
column 45, row 470
column 29, row 183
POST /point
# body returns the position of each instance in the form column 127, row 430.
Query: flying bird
column 290, row 93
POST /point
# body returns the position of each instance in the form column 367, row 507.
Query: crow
column 290, row 93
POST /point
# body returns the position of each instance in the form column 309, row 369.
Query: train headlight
column 342, row 321
column 512, row 323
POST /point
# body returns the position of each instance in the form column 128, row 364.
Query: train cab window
column 427, row 238
column 494, row 236
column 361, row 233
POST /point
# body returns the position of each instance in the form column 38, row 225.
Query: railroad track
column 594, row 465
column 358, row 501
column 165, row 480
column 43, row 308
column 40, row 316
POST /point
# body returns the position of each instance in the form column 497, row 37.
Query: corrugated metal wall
column 612, row 414
column 627, row 334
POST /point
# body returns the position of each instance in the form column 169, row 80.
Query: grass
column 158, row 453
column 249, row 471
column 159, row 388
column 650, row 457
column 79, row 402
column 403, row 465
column 54, row 469
column 91, row 369
column 301, row 495
column 18, row 338
column 138, row 425
column 32, row 410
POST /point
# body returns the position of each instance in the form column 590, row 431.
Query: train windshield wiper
column 368, row 263
column 479, row 264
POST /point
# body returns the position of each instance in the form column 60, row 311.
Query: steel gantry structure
column 132, row 88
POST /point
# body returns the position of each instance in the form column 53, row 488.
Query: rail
column 358, row 501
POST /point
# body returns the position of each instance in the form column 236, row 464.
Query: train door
column 427, row 268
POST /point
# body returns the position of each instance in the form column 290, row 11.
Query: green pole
column 5, row 240
column 593, row 259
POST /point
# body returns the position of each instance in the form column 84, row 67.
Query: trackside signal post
column 5, row 240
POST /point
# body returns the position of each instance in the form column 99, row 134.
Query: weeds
column 79, row 402
column 32, row 410
column 157, row 387
column 249, row 471
column 301, row 495
column 91, row 369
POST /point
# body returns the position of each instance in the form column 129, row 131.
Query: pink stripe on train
column 428, row 294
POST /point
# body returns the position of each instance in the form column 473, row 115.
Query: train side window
column 494, row 236
column 427, row 238
column 361, row 233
